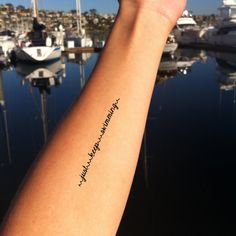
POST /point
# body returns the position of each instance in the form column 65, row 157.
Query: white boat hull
column 38, row 54
column 170, row 47
column 188, row 36
column 78, row 42
column 3, row 61
column 7, row 46
column 222, row 40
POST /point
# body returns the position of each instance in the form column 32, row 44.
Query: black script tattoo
column 96, row 146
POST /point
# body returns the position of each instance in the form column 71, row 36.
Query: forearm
column 80, row 183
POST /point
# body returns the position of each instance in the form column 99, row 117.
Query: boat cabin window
column 225, row 12
column 41, row 74
column 186, row 26
column 39, row 52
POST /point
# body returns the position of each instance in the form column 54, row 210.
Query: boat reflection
column 33, row 72
column 226, row 78
column 4, row 121
column 178, row 63
column 81, row 59
column 187, row 58
column 43, row 77
column 226, row 67
column 144, row 155
column 167, row 68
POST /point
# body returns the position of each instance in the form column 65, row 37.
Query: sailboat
column 79, row 39
column 39, row 47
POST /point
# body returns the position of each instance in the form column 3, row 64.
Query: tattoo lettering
column 96, row 146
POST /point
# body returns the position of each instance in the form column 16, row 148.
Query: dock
column 202, row 46
column 83, row 50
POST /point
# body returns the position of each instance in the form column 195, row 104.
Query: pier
column 83, row 50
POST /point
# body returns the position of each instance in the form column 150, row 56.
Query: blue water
column 184, row 183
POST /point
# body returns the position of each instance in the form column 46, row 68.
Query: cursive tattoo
column 96, row 146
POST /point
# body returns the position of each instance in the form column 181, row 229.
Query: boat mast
column 4, row 111
column 78, row 16
column 44, row 114
column 35, row 8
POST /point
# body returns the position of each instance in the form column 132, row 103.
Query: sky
column 110, row 6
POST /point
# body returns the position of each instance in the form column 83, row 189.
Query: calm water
column 185, row 180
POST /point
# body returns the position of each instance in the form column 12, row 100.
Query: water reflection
column 81, row 59
column 4, row 121
column 37, row 72
column 191, row 170
column 226, row 78
column 144, row 153
column 226, row 67
column 186, row 168
column 180, row 62
column 187, row 58
column 167, row 69
column 43, row 77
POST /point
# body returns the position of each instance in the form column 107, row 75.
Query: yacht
column 224, row 34
column 186, row 21
column 39, row 47
column 187, row 31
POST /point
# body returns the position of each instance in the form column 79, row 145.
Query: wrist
column 144, row 23
column 131, row 11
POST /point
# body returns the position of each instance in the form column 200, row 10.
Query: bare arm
column 81, row 181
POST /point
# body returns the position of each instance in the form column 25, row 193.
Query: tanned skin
column 53, row 200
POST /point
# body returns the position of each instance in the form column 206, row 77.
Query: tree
column 93, row 11
column 20, row 7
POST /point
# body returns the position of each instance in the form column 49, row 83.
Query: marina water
column 184, row 183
